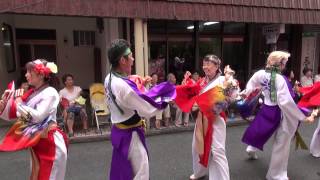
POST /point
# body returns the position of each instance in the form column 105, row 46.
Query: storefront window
column 173, row 45
column 209, row 27
column 157, row 59
column 209, row 39
column 8, row 47
column 181, row 57
column 234, row 51
column 180, row 27
column 234, row 55
column 234, row 28
column 157, row 48
column 157, row 27
column 209, row 46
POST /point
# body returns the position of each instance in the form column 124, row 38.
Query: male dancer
column 127, row 104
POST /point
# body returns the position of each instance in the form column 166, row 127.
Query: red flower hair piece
column 41, row 69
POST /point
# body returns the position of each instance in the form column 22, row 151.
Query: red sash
column 187, row 95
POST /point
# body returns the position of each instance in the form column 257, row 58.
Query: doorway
column 35, row 44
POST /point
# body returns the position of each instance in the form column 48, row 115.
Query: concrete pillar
column 138, row 46
column 111, row 32
column 141, row 47
column 145, row 48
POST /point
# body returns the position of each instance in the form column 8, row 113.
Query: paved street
column 170, row 159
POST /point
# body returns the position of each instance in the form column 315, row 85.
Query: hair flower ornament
column 53, row 67
column 40, row 68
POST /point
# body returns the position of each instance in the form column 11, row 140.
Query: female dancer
column 279, row 115
column 36, row 127
column 208, row 145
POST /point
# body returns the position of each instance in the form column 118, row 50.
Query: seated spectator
column 73, row 104
column 306, row 79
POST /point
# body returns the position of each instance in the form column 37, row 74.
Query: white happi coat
column 129, row 102
column 290, row 117
column 218, row 164
column 41, row 105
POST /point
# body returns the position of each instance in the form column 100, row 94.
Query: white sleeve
column 253, row 83
column 129, row 99
column 42, row 110
column 285, row 101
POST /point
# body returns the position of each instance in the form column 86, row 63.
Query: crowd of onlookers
column 165, row 117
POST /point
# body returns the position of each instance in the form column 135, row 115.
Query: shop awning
column 260, row 11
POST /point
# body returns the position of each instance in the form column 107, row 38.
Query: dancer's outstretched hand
column 147, row 79
column 314, row 114
column 243, row 94
column 19, row 92
column 187, row 74
column 2, row 105
column 7, row 94
column 309, row 119
column 5, row 98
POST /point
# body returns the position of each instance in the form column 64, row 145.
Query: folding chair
column 99, row 105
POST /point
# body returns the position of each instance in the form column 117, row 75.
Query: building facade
column 166, row 35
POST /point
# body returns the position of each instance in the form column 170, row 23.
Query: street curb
column 152, row 132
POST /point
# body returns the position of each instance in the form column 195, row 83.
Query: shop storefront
column 179, row 46
column 174, row 36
